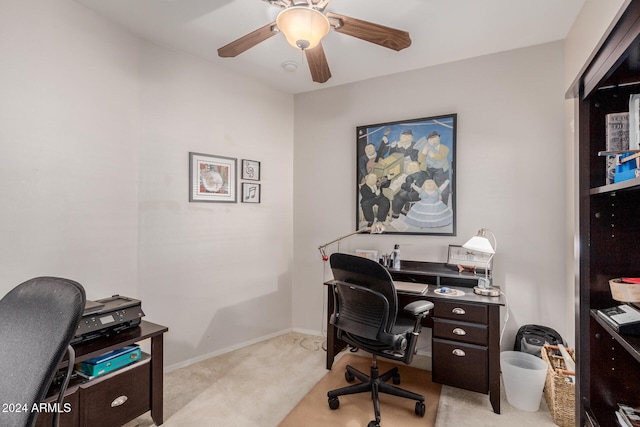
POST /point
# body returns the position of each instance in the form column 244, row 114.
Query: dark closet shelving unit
column 608, row 229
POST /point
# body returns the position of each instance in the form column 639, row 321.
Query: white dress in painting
column 430, row 211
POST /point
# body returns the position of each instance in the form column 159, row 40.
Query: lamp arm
column 495, row 241
column 321, row 248
column 487, row 281
column 376, row 228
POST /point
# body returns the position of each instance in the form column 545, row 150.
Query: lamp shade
column 480, row 243
column 303, row 26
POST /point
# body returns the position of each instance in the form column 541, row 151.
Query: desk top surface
column 433, row 269
column 464, row 294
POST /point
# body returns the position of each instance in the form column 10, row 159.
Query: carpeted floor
column 258, row 385
column 357, row 410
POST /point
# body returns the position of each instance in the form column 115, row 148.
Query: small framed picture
column 468, row 259
column 250, row 192
column 367, row 253
column 251, row 170
column 212, row 178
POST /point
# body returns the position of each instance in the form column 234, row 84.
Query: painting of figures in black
column 406, row 176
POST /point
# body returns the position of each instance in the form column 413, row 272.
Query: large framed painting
column 212, row 178
column 406, row 176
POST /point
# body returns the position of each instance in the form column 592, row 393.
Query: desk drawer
column 460, row 365
column 460, row 331
column 473, row 313
column 69, row 414
column 117, row 398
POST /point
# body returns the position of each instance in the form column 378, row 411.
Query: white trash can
column 523, row 375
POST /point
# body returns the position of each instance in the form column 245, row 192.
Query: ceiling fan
column 304, row 23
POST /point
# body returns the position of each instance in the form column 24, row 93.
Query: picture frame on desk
column 368, row 253
column 212, row 178
column 406, row 176
column 467, row 259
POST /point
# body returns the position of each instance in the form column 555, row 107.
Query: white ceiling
column 441, row 31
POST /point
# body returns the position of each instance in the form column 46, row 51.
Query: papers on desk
column 411, row 287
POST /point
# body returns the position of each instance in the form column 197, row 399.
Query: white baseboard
column 309, row 332
column 189, row 362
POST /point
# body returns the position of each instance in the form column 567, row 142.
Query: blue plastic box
column 111, row 361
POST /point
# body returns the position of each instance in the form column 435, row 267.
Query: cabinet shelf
column 628, row 185
column 608, row 229
column 92, row 401
column 630, row 343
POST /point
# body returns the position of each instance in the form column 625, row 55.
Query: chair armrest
column 418, row 308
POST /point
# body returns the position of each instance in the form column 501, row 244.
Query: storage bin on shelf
column 625, row 289
column 559, row 391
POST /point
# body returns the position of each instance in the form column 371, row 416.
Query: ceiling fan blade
column 368, row 31
column 322, row 4
column 248, row 41
column 318, row 64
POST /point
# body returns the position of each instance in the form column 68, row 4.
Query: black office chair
column 38, row 319
column 366, row 317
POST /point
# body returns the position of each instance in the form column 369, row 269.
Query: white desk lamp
column 480, row 243
column 376, row 228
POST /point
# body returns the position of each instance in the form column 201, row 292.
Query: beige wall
column 587, row 33
column 510, row 174
column 68, row 149
column 95, row 130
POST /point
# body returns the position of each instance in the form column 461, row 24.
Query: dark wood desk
column 92, row 402
column 466, row 329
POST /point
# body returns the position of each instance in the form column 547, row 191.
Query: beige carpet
column 258, row 385
column 357, row 410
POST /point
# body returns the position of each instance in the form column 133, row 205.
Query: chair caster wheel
column 349, row 377
column 334, row 403
column 420, row 409
column 373, row 424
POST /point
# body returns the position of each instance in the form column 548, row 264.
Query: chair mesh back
column 38, row 319
column 360, row 311
column 367, row 273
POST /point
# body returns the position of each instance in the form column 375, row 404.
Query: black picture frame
column 250, row 170
column 399, row 154
column 212, row 178
column 251, row 192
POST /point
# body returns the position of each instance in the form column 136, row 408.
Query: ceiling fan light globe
column 303, row 26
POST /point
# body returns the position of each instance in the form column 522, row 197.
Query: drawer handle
column 458, row 310
column 459, row 331
column 459, row 353
column 119, row 401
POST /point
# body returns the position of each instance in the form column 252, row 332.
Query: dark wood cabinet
column 461, row 365
column 608, row 229
column 466, row 329
column 119, row 396
column 461, row 345
column 68, row 418
column 116, row 399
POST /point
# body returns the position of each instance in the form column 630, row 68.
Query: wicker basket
column 558, row 392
